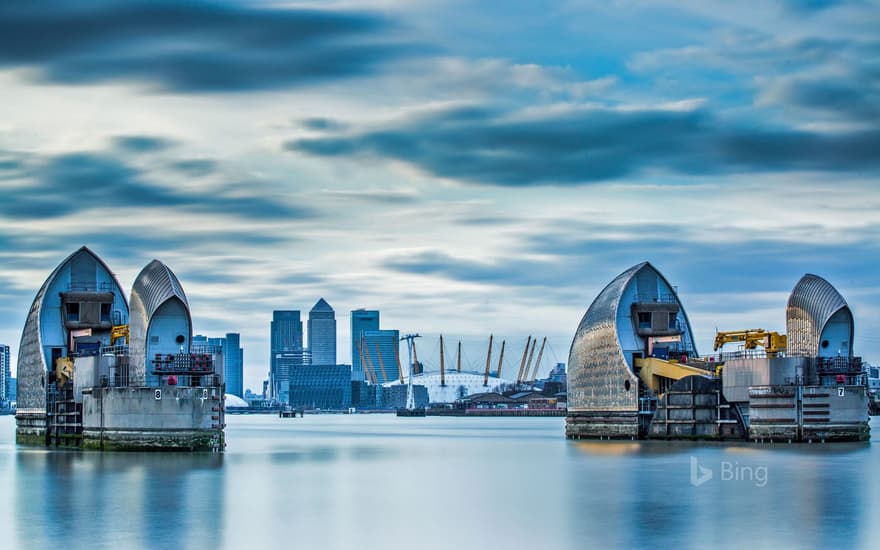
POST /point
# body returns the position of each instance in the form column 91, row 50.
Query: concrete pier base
column 602, row 425
column 152, row 440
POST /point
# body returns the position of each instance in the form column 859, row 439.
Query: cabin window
column 644, row 319
column 673, row 320
column 154, row 339
column 105, row 313
column 73, row 311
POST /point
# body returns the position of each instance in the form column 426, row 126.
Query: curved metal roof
column 154, row 285
column 603, row 310
column 812, row 303
column 31, row 360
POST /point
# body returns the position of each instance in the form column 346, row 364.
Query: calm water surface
column 378, row 481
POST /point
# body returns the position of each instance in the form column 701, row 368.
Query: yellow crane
column 117, row 333
column 772, row 342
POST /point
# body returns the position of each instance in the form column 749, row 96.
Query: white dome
column 235, row 401
column 471, row 383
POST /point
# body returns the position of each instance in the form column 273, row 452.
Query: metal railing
column 643, row 298
column 89, row 286
column 197, row 364
column 842, row 365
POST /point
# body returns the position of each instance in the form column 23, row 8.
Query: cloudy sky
column 464, row 167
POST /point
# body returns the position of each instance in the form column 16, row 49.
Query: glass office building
column 324, row 387
column 322, row 333
column 361, row 320
column 233, row 364
column 286, row 341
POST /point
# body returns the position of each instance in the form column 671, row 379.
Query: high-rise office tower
column 233, row 364
column 361, row 320
column 233, row 358
column 287, row 330
column 381, row 348
column 5, row 372
column 322, row 334
column 286, row 337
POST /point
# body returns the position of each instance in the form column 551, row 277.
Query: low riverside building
column 325, row 387
column 96, row 373
column 634, row 371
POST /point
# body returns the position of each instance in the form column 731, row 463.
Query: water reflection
column 104, row 499
column 639, row 494
column 380, row 482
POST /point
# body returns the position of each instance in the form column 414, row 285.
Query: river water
column 378, row 481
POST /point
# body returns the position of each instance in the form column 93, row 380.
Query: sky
column 466, row 168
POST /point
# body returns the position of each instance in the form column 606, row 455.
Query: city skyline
column 465, row 169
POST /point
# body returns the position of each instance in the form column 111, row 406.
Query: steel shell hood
column 812, row 305
column 154, row 286
column 600, row 377
column 32, row 365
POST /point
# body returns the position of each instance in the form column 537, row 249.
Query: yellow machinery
column 63, row 371
column 772, row 342
column 660, row 374
column 117, row 333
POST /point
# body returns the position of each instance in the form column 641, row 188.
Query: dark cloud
column 489, row 220
column 587, row 145
column 142, row 144
column 376, row 196
column 56, row 186
column 9, row 168
column 855, row 99
column 808, row 6
column 322, row 123
column 754, row 261
column 584, row 256
column 195, row 167
column 300, row 279
column 517, row 272
column 192, row 46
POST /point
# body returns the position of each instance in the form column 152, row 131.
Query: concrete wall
column 135, row 419
column 693, row 408
column 740, row 373
column 819, row 413
column 602, row 425
column 178, row 408
column 85, row 375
